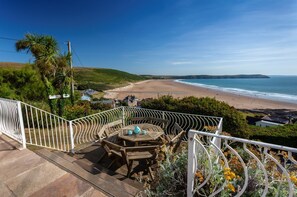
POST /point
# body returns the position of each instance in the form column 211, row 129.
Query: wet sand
column 157, row 88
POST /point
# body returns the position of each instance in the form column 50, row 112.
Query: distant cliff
column 205, row 76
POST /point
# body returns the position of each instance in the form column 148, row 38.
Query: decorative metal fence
column 45, row 129
column 239, row 167
column 11, row 122
column 185, row 121
column 34, row 126
column 88, row 129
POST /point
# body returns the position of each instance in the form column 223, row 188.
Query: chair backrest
column 110, row 129
column 139, row 152
column 163, row 123
column 176, row 140
column 111, row 148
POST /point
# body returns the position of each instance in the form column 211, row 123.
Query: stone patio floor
column 24, row 173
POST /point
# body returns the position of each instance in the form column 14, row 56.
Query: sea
column 278, row 88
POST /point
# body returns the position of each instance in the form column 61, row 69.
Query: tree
column 52, row 66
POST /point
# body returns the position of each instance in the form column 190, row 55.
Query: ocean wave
column 251, row 93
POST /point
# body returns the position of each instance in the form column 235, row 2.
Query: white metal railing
column 11, row 122
column 87, row 129
column 34, row 126
column 184, row 120
column 240, row 167
column 45, row 129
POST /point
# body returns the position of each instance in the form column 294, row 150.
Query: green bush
column 100, row 106
column 78, row 110
column 233, row 121
column 283, row 135
column 22, row 84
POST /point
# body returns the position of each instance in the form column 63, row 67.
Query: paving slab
column 9, row 141
column 13, row 167
column 24, row 173
column 12, row 156
column 34, row 179
column 4, row 190
column 67, row 185
column 93, row 193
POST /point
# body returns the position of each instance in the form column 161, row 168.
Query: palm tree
column 51, row 65
column 62, row 80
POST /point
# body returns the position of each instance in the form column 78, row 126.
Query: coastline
column 156, row 88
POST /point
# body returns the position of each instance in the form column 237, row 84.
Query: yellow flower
column 231, row 187
column 294, row 179
column 229, row 175
column 199, row 175
column 232, row 175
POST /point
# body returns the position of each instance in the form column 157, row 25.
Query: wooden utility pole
column 71, row 70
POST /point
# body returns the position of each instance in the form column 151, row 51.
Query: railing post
column 123, row 115
column 71, row 136
column 163, row 117
column 19, row 106
column 191, row 166
column 219, row 140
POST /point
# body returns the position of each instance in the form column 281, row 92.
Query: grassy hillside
column 95, row 78
column 103, row 78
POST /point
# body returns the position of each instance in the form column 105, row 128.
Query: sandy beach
column 157, row 88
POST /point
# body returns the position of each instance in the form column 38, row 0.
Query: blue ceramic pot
column 137, row 130
column 130, row 132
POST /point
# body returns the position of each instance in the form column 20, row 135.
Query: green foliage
column 171, row 176
column 21, row 84
column 233, row 121
column 284, row 135
column 100, row 106
column 78, row 110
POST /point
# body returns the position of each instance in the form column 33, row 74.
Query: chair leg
column 151, row 173
column 129, row 166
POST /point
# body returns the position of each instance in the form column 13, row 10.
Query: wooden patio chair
column 109, row 130
column 175, row 141
column 130, row 154
column 147, row 154
column 112, row 149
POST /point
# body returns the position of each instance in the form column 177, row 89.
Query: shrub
column 233, row 121
column 100, row 106
column 171, row 176
column 78, row 110
column 284, row 135
column 22, row 84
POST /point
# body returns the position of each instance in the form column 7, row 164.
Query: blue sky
column 162, row 36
